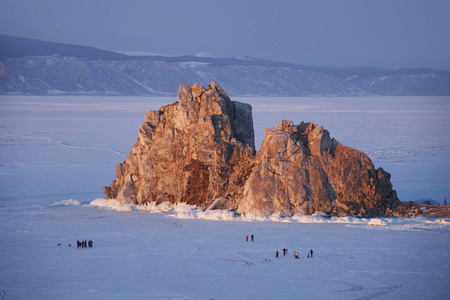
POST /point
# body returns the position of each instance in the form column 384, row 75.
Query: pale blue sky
column 383, row 33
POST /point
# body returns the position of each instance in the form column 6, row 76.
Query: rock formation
column 300, row 169
column 186, row 151
column 200, row 150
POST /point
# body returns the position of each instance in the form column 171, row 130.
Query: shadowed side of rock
column 187, row 150
column 300, row 169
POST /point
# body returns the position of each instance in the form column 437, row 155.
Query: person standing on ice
column 252, row 238
column 296, row 254
column 276, row 254
column 284, row 251
column 311, row 253
column 307, row 255
column 246, row 238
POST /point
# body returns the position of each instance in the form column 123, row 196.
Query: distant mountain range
column 35, row 67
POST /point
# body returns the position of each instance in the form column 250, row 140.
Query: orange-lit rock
column 187, row 150
column 300, row 169
column 200, row 150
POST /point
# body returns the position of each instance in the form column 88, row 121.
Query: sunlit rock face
column 300, row 169
column 187, row 150
column 200, row 151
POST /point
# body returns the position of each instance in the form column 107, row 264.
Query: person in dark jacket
column 276, row 254
column 252, row 238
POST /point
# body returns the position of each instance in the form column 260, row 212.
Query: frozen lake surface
column 58, row 152
column 144, row 255
column 70, row 145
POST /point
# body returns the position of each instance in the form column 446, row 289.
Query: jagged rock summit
column 300, row 169
column 200, row 150
column 186, row 151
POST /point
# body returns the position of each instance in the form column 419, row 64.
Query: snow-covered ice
column 179, row 253
column 57, row 153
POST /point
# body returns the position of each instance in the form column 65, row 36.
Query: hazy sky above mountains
column 382, row 33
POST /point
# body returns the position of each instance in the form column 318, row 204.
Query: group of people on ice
column 285, row 250
column 296, row 255
column 83, row 244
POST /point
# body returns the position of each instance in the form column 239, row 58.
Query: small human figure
column 284, row 251
column 78, row 244
column 246, row 238
column 70, row 245
column 296, row 254
column 311, row 253
column 90, row 243
column 276, row 254
column 252, row 237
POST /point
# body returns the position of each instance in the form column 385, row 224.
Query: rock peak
column 284, row 125
column 187, row 150
column 200, row 150
column 300, row 169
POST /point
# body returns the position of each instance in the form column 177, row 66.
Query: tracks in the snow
column 354, row 288
column 242, row 262
column 239, row 261
column 261, row 260
column 382, row 292
column 264, row 260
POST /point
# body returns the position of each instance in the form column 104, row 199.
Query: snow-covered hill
column 42, row 68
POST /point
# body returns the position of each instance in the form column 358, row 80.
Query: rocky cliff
column 186, row 151
column 200, row 150
column 300, row 169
